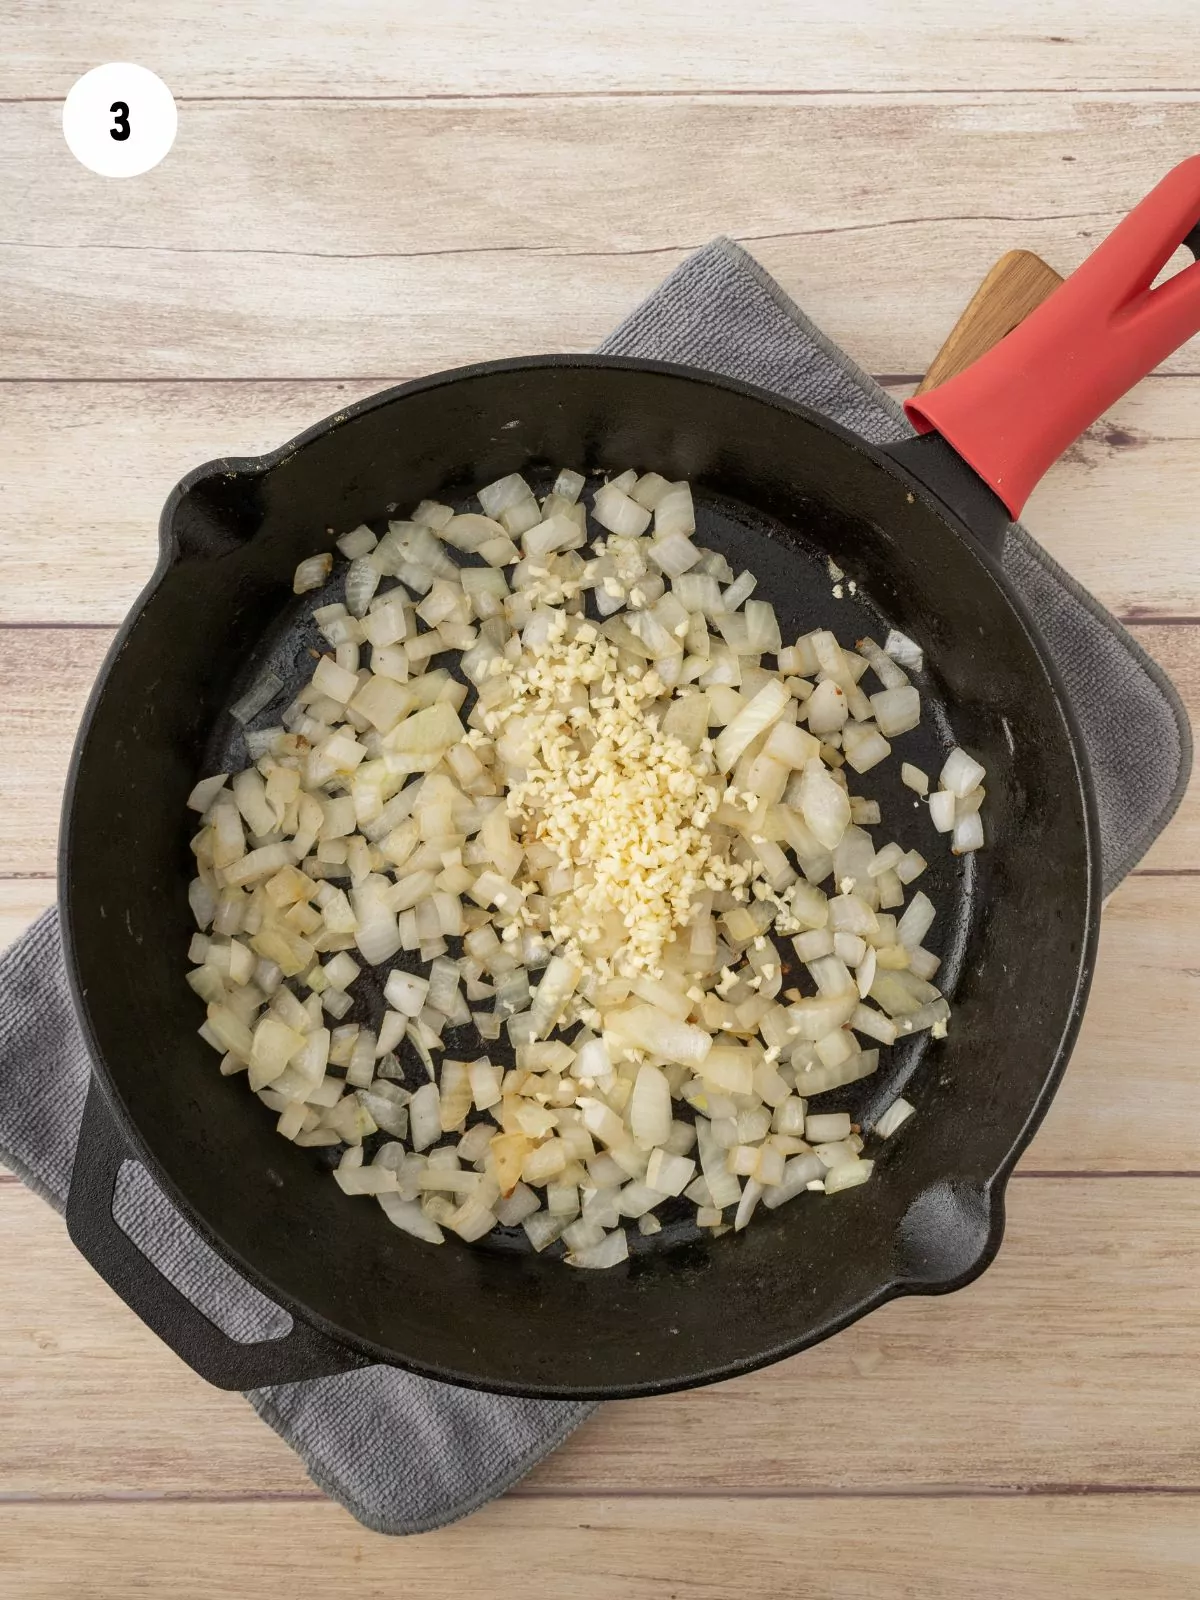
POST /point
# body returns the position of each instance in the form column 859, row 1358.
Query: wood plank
column 1136, row 1047
column 1049, row 1370
column 1072, row 1361
column 1177, row 651
column 1133, row 1050
column 21, row 900
column 1117, row 509
column 1126, row 489
column 90, row 1399
column 95, row 461
column 405, row 48
column 45, row 675
column 968, row 1549
column 328, row 258
column 249, row 1458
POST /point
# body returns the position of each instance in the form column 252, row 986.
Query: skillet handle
column 301, row 1354
column 1013, row 412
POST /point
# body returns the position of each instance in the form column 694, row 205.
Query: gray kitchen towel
column 721, row 311
column 405, row 1454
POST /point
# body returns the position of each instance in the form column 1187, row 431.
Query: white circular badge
column 119, row 119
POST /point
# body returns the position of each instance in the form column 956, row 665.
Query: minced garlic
column 621, row 803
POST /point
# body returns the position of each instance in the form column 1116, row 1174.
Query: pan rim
column 992, row 1191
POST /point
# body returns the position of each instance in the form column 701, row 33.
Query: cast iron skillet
column 779, row 490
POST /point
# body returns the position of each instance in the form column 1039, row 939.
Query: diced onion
column 259, row 695
column 961, row 773
column 941, row 810
column 902, row 649
column 312, row 573
column 569, row 485
column 425, row 1116
column 916, row 921
column 896, row 710
column 739, row 591
column 650, row 1108
column 409, row 1218
column 593, row 837
column 206, row 791
column 675, row 554
column 824, row 804
column 967, row 834
column 674, row 512
column 890, row 674
column 848, row 1175
column 610, row 1253
column 914, row 778
column 358, row 542
column 615, row 511
column 894, row 1118
column 505, row 492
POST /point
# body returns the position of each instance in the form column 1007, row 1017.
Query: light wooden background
column 364, row 191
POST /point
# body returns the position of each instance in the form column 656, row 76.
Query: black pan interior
column 780, row 493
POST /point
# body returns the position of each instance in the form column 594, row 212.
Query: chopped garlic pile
column 622, row 804
column 602, row 830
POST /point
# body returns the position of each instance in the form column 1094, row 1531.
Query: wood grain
column 358, row 194
column 46, row 673
column 45, row 677
column 1177, row 651
column 1071, row 1362
column 1132, row 1050
column 968, row 1549
column 1145, row 1000
column 93, row 463
column 1128, row 485
column 1014, row 287
column 250, row 253
column 69, row 1349
column 486, row 47
column 21, row 900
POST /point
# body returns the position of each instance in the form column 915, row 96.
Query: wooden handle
column 1015, row 286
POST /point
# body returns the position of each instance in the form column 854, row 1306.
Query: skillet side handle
column 301, row 1354
column 1014, row 411
column 213, row 512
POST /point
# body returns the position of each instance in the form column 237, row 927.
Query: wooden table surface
column 361, row 192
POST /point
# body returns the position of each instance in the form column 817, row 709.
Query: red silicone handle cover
column 1014, row 411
